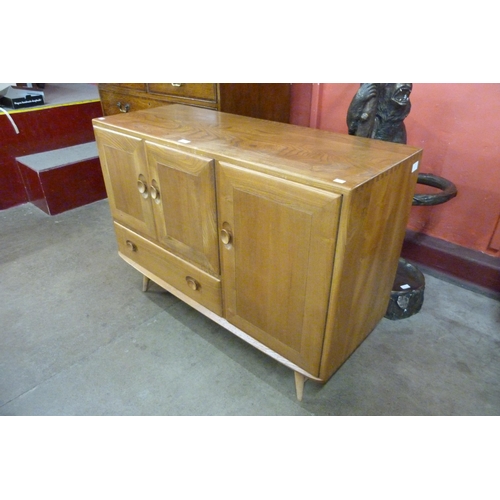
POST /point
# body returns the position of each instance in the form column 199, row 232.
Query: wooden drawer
column 188, row 279
column 205, row 91
column 132, row 86
column 270, row 101
column 115, row 102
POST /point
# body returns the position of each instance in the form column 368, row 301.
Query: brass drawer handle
column 192, row 283
column 122, row 108
column 131, row 246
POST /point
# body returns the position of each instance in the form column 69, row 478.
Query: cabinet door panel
column 185, row 208
column 278, row 264
column 125, row 171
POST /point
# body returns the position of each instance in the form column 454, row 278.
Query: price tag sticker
column 184, row 141
column 405, row 287
column 339, row 181
column 414, row 167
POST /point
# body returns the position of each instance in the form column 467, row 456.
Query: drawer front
column 114, row 102
column 131, row 86
column 205, row 91
column 188, row 279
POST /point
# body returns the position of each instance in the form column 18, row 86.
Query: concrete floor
column 79, row 337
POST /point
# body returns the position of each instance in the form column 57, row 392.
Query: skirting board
column 468, row 268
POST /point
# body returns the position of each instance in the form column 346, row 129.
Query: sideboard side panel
column 371, row 235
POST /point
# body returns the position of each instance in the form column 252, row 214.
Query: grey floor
column 79, row 337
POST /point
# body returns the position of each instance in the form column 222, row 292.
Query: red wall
column 40, row 129
column 458, row 127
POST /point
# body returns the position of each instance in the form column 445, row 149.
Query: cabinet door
column 184, row 204
column 125, row 173
column 277, row 249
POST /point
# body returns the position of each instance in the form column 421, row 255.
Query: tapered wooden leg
column 300, row 380
column 145, row 283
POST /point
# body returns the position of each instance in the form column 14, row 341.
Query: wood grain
column 170, row 268
column 123, row 164
column 270, row 101
column 185, row 212
column 308, row 225
column 309, row 156
column 277, row 271
column 372, row 229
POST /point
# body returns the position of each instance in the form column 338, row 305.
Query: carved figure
column 378, row 110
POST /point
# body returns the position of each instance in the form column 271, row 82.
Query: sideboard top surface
column 332, row 161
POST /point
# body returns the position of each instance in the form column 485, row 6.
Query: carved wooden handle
column 141, row 186
column 155, row 191
column 226, row 236
column 192, row 283
column 131, row 246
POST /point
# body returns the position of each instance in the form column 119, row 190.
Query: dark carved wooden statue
column 378, row 110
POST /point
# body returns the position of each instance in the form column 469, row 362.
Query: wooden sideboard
column 289, row 237
column 270, row 101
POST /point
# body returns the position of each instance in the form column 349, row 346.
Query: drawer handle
column 176, row 84
column 192, row 283
column 131, row 246
column 123, row 109
column 226, row 236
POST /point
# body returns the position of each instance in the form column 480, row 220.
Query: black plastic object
column 407, row 294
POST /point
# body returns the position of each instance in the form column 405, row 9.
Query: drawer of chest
column 185, row 277
column 114, row 102
column 205, row 91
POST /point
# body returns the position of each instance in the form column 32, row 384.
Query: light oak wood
column 185, row 213
column 163, row 194
column 277, row 273
column 124, row 168
column 167, row 266
column 300, row 380
column 287, row 236
column 217, row 319
column 371, row 236
column 308, row 156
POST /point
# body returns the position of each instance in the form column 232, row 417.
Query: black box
column 16, row 98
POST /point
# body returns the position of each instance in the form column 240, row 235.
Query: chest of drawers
column 270, row 101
